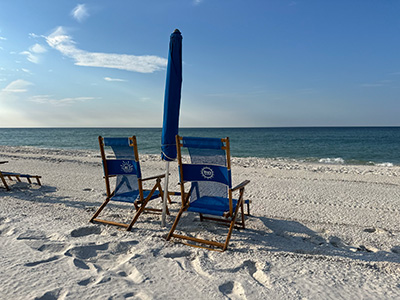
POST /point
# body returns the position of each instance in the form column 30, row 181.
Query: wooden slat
column 211, row 243
column 111, row 223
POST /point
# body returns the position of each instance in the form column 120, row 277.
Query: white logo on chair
column 127, row 167
column 207, row 173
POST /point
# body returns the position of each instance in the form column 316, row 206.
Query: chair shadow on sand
column 287, row 236
column 277, row 235
column 40, row 194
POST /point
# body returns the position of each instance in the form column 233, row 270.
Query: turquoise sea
column 337, row 145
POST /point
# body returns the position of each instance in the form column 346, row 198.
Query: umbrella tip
column 177, row 31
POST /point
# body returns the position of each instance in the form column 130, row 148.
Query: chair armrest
column 241, row 185
column 153, row 177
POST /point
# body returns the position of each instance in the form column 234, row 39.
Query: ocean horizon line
column 205, row 127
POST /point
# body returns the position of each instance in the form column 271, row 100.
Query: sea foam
column 328, row 160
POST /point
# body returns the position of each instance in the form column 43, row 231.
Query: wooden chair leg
column 137, row 214
column 143, row 206
column 175, row 223
column 5, row 183
column 99, row 210
column 29, row 180
column 242, row 214
column 231, row 227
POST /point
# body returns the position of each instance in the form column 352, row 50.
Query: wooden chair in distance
column 17, row 177
column 129, row 182
column 210, row 193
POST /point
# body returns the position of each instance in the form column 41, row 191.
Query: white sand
column 316, row 232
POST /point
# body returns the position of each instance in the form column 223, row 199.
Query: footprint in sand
column 233, row 290
column 56, row 294
column 87, row 251
column 35, row 263
column 256, row 271
column 86, row 282
column 336, row 242
column 80, row 264
column 136, row 276
column 32, row 235
column 183, row 253
column 56, row 247
column 396, row 249
column 85, row 231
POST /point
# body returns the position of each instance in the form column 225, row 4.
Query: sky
column 256, row 63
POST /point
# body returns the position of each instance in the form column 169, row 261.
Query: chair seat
column 132, row 196
column 216, row 206
column 18, row 174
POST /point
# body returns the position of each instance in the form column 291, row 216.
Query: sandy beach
column 316, row 231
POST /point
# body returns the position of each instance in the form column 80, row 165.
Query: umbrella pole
column 164, row 208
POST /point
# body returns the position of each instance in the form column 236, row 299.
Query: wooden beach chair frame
column 17, row 177
column 229, row 218
column 141, row 202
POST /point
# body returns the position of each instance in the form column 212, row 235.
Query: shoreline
column 243, row 161
column 315, row 231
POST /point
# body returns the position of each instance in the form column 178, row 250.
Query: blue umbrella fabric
column 172, row 98
column 172, row 103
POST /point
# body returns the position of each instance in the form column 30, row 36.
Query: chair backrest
column 209, row 170
column 125, row 166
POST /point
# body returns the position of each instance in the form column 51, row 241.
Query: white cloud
column 17, row 86
column 2, row 38
column 34, row 35
column 62, row 42
column 80, row 12
column 37, row 48
column 26, row 70
column 48, row 99
column 113, row 79
column 31, row 55
column 197, row 2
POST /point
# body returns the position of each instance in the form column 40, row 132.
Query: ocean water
column 331, row 145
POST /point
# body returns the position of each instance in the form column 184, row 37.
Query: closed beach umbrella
column 172, row 101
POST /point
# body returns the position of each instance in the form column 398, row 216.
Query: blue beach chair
column 210, row 194
column 129, row 181
column 17, row 177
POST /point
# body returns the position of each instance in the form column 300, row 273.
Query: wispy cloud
column 197, row 2
column 17, row 86
column 37, row 48
column 34, row 35
column 30, row 56
column 32, row 53
column 113, row 79
column 26, row 70
column 48, row 99
column 64, row 43
column 80, row 12
column 2, row 38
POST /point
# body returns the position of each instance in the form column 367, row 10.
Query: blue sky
column 246, row 63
